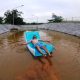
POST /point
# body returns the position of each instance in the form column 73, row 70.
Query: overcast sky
column 41, row 10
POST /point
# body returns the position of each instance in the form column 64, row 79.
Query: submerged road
column 16, row 62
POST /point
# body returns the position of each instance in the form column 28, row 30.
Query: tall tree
column 13, row 17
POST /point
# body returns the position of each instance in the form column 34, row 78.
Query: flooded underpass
column 16, row 62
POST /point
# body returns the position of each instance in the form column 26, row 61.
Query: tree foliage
column 13, row 17
column 1, row 20
column 55, row 18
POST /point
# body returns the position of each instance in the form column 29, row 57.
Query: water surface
column 16, row 62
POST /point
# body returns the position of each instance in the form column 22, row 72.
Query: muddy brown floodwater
column 16, row 62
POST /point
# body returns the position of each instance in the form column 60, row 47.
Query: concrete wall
column 70, row 28
column 5, row 28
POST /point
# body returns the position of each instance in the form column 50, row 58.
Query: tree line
column 14, row 17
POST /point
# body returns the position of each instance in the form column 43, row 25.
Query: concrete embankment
column 69, row 28
column 5, row 28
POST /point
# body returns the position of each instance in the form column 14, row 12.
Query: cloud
column 43, row 9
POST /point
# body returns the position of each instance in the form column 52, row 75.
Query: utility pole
column 13, row 11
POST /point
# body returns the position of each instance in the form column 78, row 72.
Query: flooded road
column 16, row 62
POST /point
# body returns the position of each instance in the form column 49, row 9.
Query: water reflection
column 15, row 37
column 41, row 69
